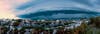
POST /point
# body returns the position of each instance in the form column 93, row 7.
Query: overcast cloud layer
column 13, row 8
column 35, row 5
column 32, row 8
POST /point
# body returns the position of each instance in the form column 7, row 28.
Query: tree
column 95, row 21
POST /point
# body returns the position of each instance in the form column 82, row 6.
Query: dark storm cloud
column 34, row 8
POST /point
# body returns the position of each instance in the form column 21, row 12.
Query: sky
column 13, row 8
column 35, row 5
column 7, row 8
